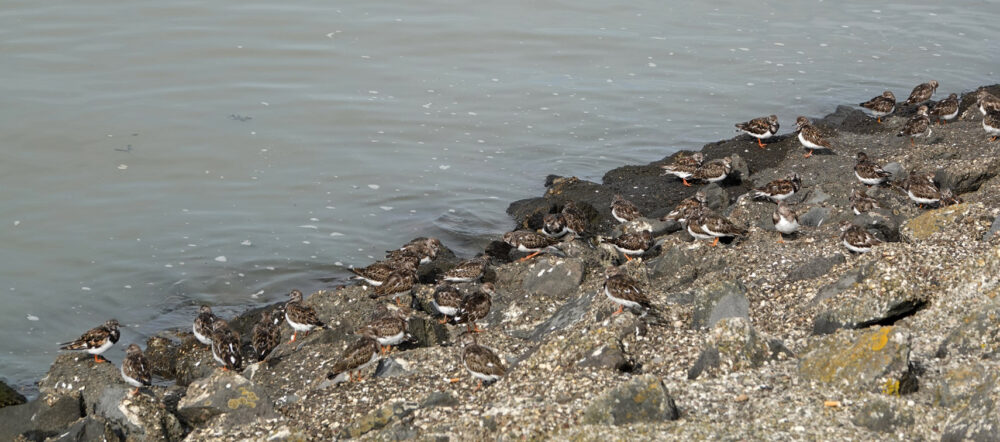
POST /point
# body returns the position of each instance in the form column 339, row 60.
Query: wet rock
column 721, row 299
column 978, row 334
column 734, row 345
column 379, row 419
column 556, row 278
column 816, row 267
column 643, row 399
column 224, row 392
column 609, row 357
column 815, row 217
column 44, row 417
column 499, row 251
column 389, row 367
column 178, row 356
column 865, row 360
column 10, row 396
column 77, row 374
column 979, row 420
column 880, row 416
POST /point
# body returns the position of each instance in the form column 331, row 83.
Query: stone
column 716, row 197
column 426, row 332
column 224, row 392
column 672, row 264
column 932, row 223
column 608, row 357
column 815, row 217
column 439, row 399
column 741, row 170
column 557, row 278
column 10, row 396
column 846, row 281
column 378, row 419
column 978, row 334
column 86, row 429
column 979, row 420
column 815, row 267
column 179, row 357
column 642, row 399
column 389, row 367
column 816, row 195
column 883, row 223
column 721, row 299
column 956, row 386
column 142, row 416
column 994, row 228
column 883, row 296
column 897, row 170
column 734, row 345
column 43, row 417
column 880, row 416
column 569, row 313
column 865, row 360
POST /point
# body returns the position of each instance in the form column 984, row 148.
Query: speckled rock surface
column 643, row 399
column 869, row 360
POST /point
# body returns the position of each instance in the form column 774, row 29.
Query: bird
column 717, row 226
column 861, row 202
column 881, row 105
column 96, row 340
column 356, row 357
column 481, row 362
column 921, row 189
column 529, row 242
column 946, row 109
column 135, row 369
column 810, row 137
column 574, row 218
column 623, row 210
column 690, row 222
column 786, row 221
column 377, row 273
column 780, row 189
column 388, row 330
column 856, row 238
column 468, row 271
column 202, row 327
column 868, row 172
column 301, row 317
column 226, row 346
column 714, row 171
column 424, row 248
column 684, row 207
column 476, row 306
column 987, row 102
column 760, row 128
column 991, row 124
column 265, row 336
column 684, row 166
column 447, row 301
column 948, row 198
column 922, row 92
column 919, row 125
column 625, row 291
column 399, row 284
column 633, row 243
column 554, row 225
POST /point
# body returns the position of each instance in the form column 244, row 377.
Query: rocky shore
column 800, row 340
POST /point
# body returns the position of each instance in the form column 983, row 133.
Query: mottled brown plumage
column 810, row 137
column 265, row 337
column 881, row 105
column 922, row 92
column 226, row 346
column 399, row 283
column 136, row 369
column 481, row 361
column 856, row 238
column 529, row 242
column 377, row 273
column 203, row 325
column 623, row 210
column 946, row 109
column 987, row 102
column 575, row 219
column 301, row 317
column 920, row 187
column 96, row 340
column 714, row 171
column 447, row 301
column 476, row 306
column 991, row 124
column 785, row 220
column 632, row 243
column 684, row 166
column 718, row 226
column 360, row 354
column 760, row 128
column 918, row 126
column 868, row 172
column 780, row 189
column 862, row 203
column 684, row 207
column 424, row 248
column 388, row 330
column 468, row 271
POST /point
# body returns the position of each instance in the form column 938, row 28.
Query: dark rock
column 643, row 399
column 439, row 399
column 570, row 312
column 741, row 169
column 968, row 177
column 865, row 360
column 427, row 332
column 716, row 197
column 141, row 416
column 378, row 419
column 224, row 392
column 733, row 345
column 499, row 251
column 89, row 428
column 559, row 279
column 846, row 281
column 44, row 417
column 10, row 396
column 77, row 374
column 897, row 170
column 388, row 367
column 883, row 223
column 708, row 359
column 815, row 217
column 994, row 228
column 816, row 267
column 605, row 357
column 957, row 386
column 880, row 416
column 721, row 299
column 161, row 352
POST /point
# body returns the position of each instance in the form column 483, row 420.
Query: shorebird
column 96, row 340
column 881, row 105
column 760, row 128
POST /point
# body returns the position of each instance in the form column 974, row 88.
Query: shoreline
column 740, row 316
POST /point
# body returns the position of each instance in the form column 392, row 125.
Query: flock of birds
column 396, row 275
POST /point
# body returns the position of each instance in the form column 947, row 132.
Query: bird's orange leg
column 627, row 258
column 878, row 120
column 761, row 144
column 781, row 238
column 479, row 386
column 97, row 360
column 808, row 154
column 443, row 320
column 911, row 142
column 135, row 391
column 294, row 333
column 529, row 256
column 716, row 242
column 621, row 308
column 686, row 183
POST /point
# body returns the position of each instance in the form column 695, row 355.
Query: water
column 160, row 155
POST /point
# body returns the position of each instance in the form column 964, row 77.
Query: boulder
column 864, row 360
column 979, row 420
column 643, row 399
column 378, row 419
column 936, row 223
column 815, row 267
column 389, row 367
column 179, row 357
column 734, row 345
column 720, row 299
column 608, row 357
column 557, row 278
column 955, row 387
column 978, row 334
column 224, row 392
column 881, row 416
column 10, row 396
column 43, row 417
column 879, row 293
column 815, row 217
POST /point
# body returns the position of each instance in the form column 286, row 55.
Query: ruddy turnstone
column 202, row 327
column 574, row 218
column 633, row 243
column 991, row 124
column 948, row 198
column 529, row 242
column 468, row 271
column 918, row 126
column 786, row 221
column 683, row 166
column 265, row 337
column 760, row 128
column 714, row 171
column 397, row 285
column 135, row 369
column 359, row 355
column 921, row 189
column 810, row 137
column 922, row 92
column 554, row 225
column 861, row 202
column 690, row 221
column 481, row 361
column 96, row 340
column 856, row 238
column 780, row 189
column 301, row 317
column 684, row 207
column 226, row 346
column 376, row 273
column 869, row 173
column 881, row 105
column 447, row 301
column 625, row 291
column 987, row 102
column 718, row 226
column 623, row 210
column 388, row 330
column 946, row 109
column 476, row 306
column 424, row 248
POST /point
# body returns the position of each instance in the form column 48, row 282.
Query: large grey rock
column 880, row 416
column 846, row 281
column 179, row 357
column 815, row 267
column 885, row 296
column 568, row 314
column 141, row 416
column 873, row 360
column 426, row 333
column 10, row 396
column 389, row 367
column 994, row 228
column 741, row 170
column 87, row 429
column 978, row 334
column 643, row 399
column 378, row 419
column 734, row 345
column 559, row 278
column 956, row 386
column 897, row 170
column 721, row 299
column 979, row 420
column 716, row 197
column 815, row 217
column 224, row 392
column 673, row 264
column 43, row 417
column 609, row 357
